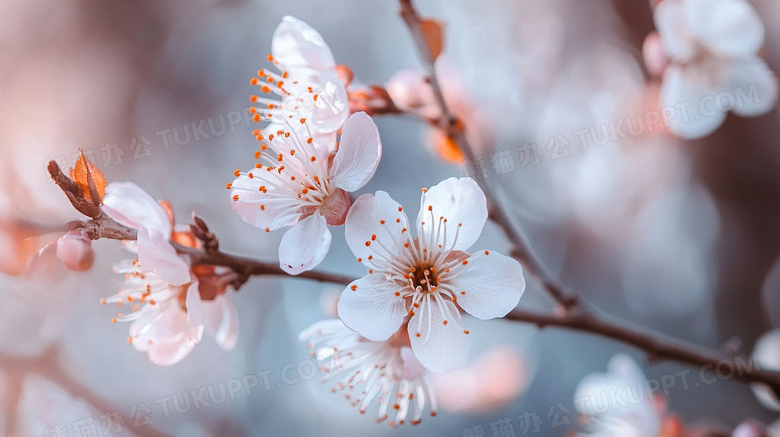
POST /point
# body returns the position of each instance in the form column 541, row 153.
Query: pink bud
column 656, row 59
column 74, row 249
column 411, row 91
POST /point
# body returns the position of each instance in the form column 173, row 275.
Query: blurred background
column 677, row 236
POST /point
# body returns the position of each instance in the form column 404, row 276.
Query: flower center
column 424, row 277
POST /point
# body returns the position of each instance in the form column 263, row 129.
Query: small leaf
column 434, row 36
column 89, row 179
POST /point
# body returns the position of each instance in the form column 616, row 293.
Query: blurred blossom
column 770, row 294
column 767, row 352
column 643, row 416
column 750, row 428
column 489, row 384
column 670, row 269
column 713, row 46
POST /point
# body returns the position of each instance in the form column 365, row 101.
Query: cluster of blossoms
column 172, row 302
column 707, row 54
column 403, row 319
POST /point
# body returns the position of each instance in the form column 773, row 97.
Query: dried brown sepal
column 202, row 233
column 73, row 191
column 89, row 178
column 434, row 36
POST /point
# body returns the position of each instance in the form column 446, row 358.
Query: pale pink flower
column 131, row 206
column 712, row 47
column 307, row 84
column 641, row 415
column 386, row 371
column 298, row 183
column 430, row 277
column 168, row 315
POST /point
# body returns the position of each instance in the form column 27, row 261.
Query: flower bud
column 655, row 57
column 411, row 91
column 74, row 249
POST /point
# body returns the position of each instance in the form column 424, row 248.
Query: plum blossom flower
column 168, row 314
column 308, row 82
column 642, row 415
column 299, row 183
column 386, row 370
column 429, row 278
column 131, row 206
column 711, row 49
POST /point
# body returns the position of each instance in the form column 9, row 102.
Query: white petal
column 727, row 27
column 440, row 348
column 372, row 309
column 165, row 324
column 222, row 321
column 305, row 245
column 195, row 317
column 131, row 206
column 297, row 46
column 462, row 203
column 360, row 150
column 156, row 254
column 413, row 369
column 171, row 353
column 688, row 94
column 675, row 31
column 378, row 215
column 263, row 210
column 493, row 284
column 332, row 106
column 754, row 87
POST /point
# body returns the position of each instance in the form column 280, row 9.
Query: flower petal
column 170, row 353
column 440, row 347
column 265, row 210
column 376, row 215
column 331, row 108
column 727, row 27
column 462, row 204
column 754, row 87
column 305, row 245
column 195, row 317
column 156, row 254
column 297, row 46
column 131, row 206
column 413, row 369
column 360, row 150
column 370, row 307
column 675, row 31
column 691, row 100
column 493, row 284
column 222, row 321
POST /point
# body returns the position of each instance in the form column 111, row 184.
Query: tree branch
column 449, row 123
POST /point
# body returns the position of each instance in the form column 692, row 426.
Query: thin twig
column 449, row 123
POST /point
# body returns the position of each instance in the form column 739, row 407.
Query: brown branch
column 47, row 364
column 577, row 315
column 655, row 345
column 449, row 123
